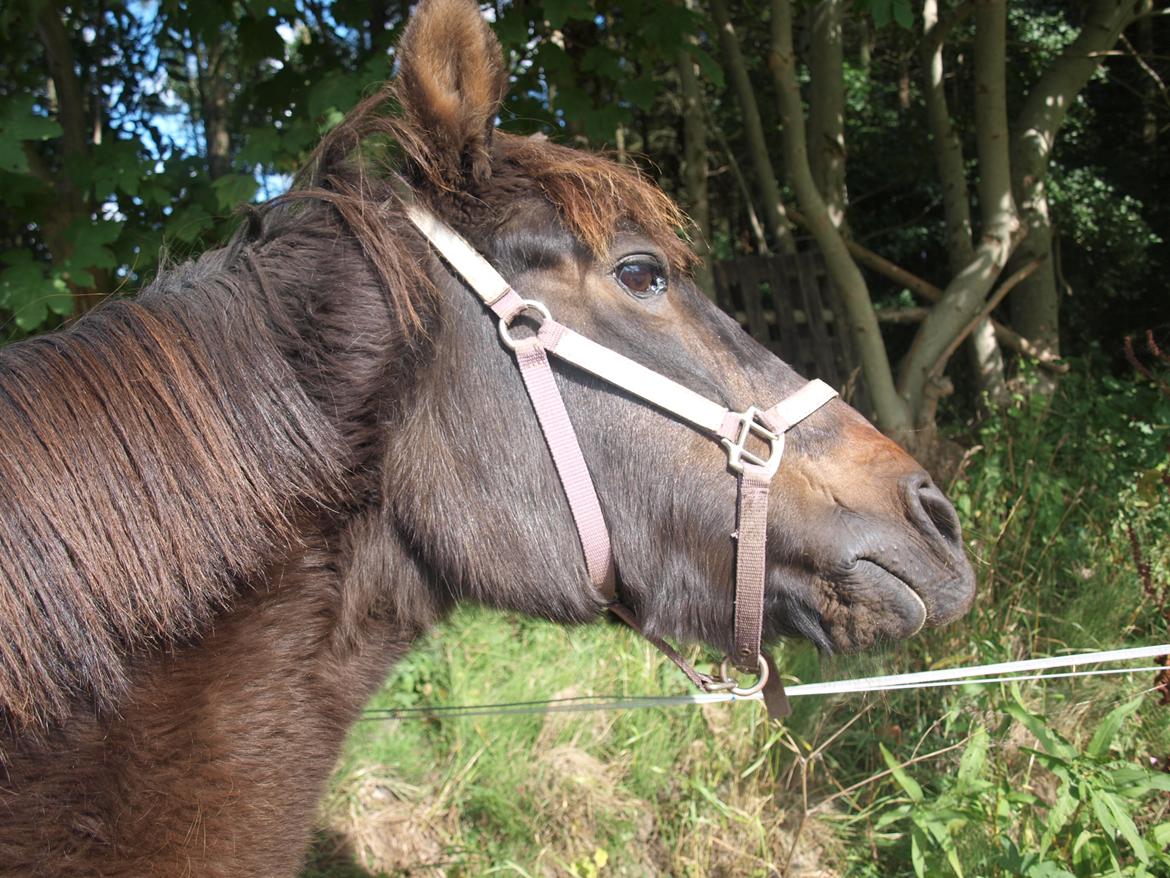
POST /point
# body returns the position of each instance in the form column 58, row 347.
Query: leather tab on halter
column 507, row 306
column 775, row 698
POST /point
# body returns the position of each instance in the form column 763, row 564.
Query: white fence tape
column 978, row 675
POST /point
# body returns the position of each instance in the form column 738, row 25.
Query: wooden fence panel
column 789, row 306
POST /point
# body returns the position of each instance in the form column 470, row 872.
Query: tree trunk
column 213, row 103
column 757, row 227
column 1036, row 302
column 695, row 168
column 75, row 144
column 893, row 417
column 59, row 53
column 965, row 295
column 826, row 114
column 984, row 353
column 774, row 212
column 1145, row 49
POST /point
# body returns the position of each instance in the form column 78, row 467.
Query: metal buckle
column 729, row 682
column 526, row 305
column 750, row 425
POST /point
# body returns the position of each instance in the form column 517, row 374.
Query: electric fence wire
column 980, row 675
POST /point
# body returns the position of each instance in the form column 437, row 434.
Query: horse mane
column 162, row 451
column 155, row 454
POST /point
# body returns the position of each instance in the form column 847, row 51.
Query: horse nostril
column 932, row 511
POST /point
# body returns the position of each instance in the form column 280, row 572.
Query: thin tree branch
column 937, row 33
column 774, row 209
column 874, row 778
column 1006, row 287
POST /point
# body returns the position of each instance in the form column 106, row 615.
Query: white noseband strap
column 734, row 430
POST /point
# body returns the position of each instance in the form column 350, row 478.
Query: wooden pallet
column 789, row 306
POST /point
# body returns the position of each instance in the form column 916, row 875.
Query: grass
column 1049, row 496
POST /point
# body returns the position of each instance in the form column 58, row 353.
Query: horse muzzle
column 892, row 575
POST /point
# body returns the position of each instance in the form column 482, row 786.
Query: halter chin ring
column 751, row 424
column 505, row 322
column 726, row 681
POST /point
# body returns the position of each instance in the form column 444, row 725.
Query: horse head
column 862, row 547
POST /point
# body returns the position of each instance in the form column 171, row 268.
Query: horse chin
column 865, row 605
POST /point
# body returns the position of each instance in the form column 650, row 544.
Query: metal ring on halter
column 525, row 305
column 744, row 692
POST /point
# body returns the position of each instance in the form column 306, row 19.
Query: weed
column 1056, row 779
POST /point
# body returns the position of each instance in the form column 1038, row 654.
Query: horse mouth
column 866, row 604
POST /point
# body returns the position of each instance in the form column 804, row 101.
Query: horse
column 232, row 503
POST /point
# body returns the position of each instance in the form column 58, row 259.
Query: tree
column 1036, row 303
column 128, row 132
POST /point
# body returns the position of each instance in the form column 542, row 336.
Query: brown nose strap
column 732, row 429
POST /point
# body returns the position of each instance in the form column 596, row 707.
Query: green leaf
column 903, row 14
column 31, row 315
column 917, row 851
column 1062, row 809
column 1047, row 869
column 974, row 757
column 1125, row 825
column 604, row 61
column 889, row 816
column 232, row 190
column 1050, row 741
column 19, row 122
column 1110, row 725
column 28, row 294
column 670, row 26
column 905, row 781
column 116, row 164
column 557, row 12
column 259, row 38
column 59, row 299
column 1161, row 834
column 260, row 145
column 91, row 240
column 336, row 92
column 1134, row 781
column 602, row 123
column 512, row 28
column 187, row 224
column 1105, row 820
column 640, row 92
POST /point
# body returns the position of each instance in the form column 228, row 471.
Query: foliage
column 148, row 186
column 1059, row 777
column 983, row 821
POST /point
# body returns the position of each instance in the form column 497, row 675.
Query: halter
column 731, row 429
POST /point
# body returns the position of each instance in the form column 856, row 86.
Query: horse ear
column 451, row 80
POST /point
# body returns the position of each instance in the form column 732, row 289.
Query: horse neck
column 156, row 453
column 222, row 748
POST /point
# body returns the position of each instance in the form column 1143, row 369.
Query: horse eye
column 642, row 277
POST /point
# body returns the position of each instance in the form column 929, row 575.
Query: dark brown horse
column 230, row 505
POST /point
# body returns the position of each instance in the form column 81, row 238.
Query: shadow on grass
column 332, row 856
